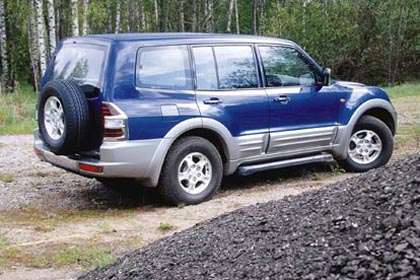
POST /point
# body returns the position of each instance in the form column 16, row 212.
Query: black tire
column 386, row 138
column 76, row 116
column 169, row 186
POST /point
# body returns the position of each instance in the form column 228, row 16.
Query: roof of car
column 176, row 36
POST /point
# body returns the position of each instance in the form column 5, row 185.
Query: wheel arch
column 383, row 115
column 209, row 129
column 377, row 107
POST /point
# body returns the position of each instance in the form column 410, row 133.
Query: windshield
column 82, row 64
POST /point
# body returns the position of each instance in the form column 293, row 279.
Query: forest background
column 369, row 41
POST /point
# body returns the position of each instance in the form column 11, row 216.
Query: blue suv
column 178, row 111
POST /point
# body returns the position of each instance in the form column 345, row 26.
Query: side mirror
column 326, row 76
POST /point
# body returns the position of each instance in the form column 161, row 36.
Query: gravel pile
column 366, row 227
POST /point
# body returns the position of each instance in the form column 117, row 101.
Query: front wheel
column 192, row 172
column 370, row 145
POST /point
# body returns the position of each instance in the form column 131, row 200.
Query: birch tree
column 3, row 52
column 237, row 17
column 181, row 16
column 118, row 18
column 40, row 36
column 51, row 26
column 230, row 11
column 75, row 18
column 85, row 25
column 33, row 46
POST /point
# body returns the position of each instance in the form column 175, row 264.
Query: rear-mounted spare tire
column 63, row 116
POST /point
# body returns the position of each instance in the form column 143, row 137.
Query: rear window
column 164, row 67
column 82, row 64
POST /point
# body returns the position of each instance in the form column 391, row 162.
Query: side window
column 236, row 67
column 205, row 68
column 285, row 67
column 164, row 67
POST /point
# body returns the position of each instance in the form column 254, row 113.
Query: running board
column 251, row 169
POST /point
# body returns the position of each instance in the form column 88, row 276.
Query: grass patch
column 17, row 111
column 6, row 178
column 165, row 227
column 92, row 256
column 409, row 89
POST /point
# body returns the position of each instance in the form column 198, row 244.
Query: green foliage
column 371, row 41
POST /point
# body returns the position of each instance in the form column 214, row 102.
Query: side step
column 251, row 169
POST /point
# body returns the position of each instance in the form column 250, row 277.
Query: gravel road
column 365, row 227
column 45, row 211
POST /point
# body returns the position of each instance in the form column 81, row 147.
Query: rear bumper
column 139, row 160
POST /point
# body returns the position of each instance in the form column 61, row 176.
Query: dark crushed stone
column 366, row 227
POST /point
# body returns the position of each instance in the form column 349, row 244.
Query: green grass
column 165, row 227
column 408, row 89
column 17, row 111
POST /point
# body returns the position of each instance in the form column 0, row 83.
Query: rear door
column 303, row 114
column 228, row 91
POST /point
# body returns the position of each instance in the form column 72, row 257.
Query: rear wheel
column 370, row 145
column 192, row 172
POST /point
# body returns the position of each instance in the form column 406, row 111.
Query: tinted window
column 205, row 68
column 286, row 67
column 236, row 67
column 164, row 67
column 82, row 64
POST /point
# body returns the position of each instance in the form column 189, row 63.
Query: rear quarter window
column 82, row 64
column 164, row 67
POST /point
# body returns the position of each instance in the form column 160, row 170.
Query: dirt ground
column 57, row 225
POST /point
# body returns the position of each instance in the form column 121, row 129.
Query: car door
column 228, row 91
column 303, row 113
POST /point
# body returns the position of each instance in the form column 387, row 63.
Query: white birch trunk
column 118, row 18
column 51, row 26
column 85, row 25
column 3, row 52
column 229, row 22
column 75, row 18
column 237, row 17
column 41, row 39
column 33, row 45
column 156, row 16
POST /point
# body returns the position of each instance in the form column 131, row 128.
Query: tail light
column 114, row 122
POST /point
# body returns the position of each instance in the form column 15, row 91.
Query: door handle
column 212, row 101
column 282, row 99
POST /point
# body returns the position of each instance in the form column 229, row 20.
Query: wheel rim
column 365, row 146
column 54, row 118
column 194, row 173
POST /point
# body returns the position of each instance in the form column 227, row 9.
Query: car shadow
column 128, row 195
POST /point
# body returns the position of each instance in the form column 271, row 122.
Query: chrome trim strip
column 251, row 169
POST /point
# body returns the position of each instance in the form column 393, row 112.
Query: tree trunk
column 142, row 16
column 3, row 52
column 85, row 25
column 40, row 32
column 229, row 22
column 51, row 26
column 118, row 18
column 75, row 17
column 194, row 17
column 181, row 16
column 33, row 45
column 208, row 12
column 156, row 16
column 237, row 17
column 254, row 17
